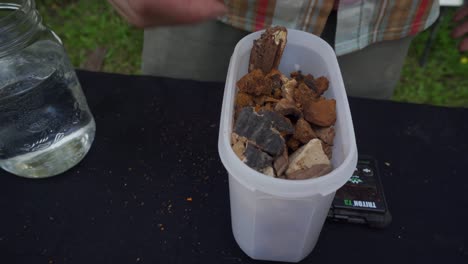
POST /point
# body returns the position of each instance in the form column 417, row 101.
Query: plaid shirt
column 360, row 22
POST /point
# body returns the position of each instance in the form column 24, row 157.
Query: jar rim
column 18, row 25
column 15, row 6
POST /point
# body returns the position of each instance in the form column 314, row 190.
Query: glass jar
column 46, row 126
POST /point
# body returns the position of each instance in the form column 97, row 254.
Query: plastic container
column 276, row 219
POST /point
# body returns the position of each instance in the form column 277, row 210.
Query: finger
column 199, row 10
column 463, row 45
column 461, row 13
column 460, row 30
column 174, row 12
column 122, row 7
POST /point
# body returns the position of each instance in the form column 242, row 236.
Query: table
column 153, row 190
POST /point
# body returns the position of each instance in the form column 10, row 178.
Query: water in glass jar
column 45, row 124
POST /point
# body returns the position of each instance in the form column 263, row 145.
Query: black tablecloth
column 153, row 190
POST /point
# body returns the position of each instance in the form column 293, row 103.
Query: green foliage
column 444, row 79
column 86, row 25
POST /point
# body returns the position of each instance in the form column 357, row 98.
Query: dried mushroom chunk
column 297, row 75
column 268, row 49
column 304, row 132
column 255, row 83
column 321, row 85
column 263, row 129
column 293, row 144
column 257, row 159
column 312, row 172
column 327, row 149
column 307, row 157
column 287, row 107
column 269, row 171
column 278, row 122
column 287, row 90
column 276, row 78
column 304, row 95
column 281, row 163
column 326, row 134
column 238, row 145
column 277, row 81
column 320, row 112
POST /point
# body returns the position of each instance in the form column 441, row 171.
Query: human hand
column 461, row 30
column 147, row 13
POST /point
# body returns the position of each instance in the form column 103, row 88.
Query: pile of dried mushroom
column 283, row 127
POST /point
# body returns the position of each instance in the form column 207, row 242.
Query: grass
column 85, row 25
column 443, row 81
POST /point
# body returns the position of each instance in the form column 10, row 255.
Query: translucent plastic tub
column 276, row 219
